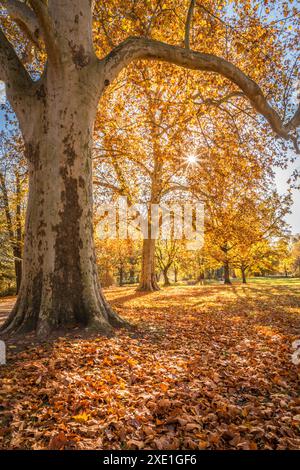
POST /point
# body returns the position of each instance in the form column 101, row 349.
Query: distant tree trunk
column 243, row 271
column 131, row 275
column 121, row 273
column 226, row 273
column 18, row 241
column 15, row 233
column 148, row 281
column 175, row 275
column 200, row 278
column 166, row 277
column 107, row 279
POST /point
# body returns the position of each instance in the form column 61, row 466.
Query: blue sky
column 281, row 182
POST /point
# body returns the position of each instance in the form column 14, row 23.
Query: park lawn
column 276, row 281
column 204, row 367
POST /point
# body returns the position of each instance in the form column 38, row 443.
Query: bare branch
column 188, row 23
column 114, row 188
column 25, row 19
column 114, row 153
column 295, row 121
column 153, row 17
column 199, row 194
column 142, row 48
column 224, row 99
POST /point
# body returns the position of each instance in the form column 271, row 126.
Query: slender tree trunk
column 18, row 242
column 200, row 278
column 286, row 272
column 148, row 280
column 14, row 229
column 18, row 269
column 131, row 276
column 166, row 277
column 243, row 270
column 121, row 273
column 175, row 275
column 60, row 281
column 226, row 273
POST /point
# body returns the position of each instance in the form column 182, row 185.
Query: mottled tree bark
column 60, row 282
column 60, row 285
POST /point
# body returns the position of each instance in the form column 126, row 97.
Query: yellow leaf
column 81, row 418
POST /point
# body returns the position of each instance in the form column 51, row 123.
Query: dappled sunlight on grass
column 262, row 303
column 259, row 299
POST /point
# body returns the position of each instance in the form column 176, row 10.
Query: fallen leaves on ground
column 204, row 368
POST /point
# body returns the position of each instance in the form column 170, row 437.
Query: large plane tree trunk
column 60, row 285
column 60, row 282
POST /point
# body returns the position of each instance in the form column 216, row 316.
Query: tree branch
column 25, row 19
column 12, row 71
column 41, row 10
column 114, row 188
column 135, row 48
column 188, row 23
column 189, row 189
column 294, row 122
column 9, row 222
column 218, row 102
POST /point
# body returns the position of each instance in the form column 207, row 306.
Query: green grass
column 270, row 281
column 276, row 281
